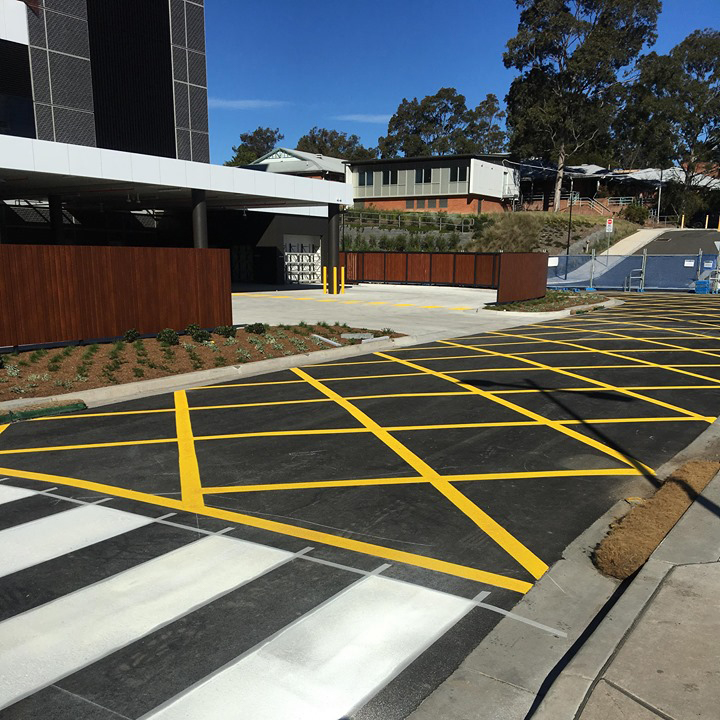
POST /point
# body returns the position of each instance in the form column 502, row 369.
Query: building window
column 443, row 202
column 389, row 177
column 365, row 178
column 420, row 204
column 423, row 175
column 458, row 174
column 431, row 203
column 359, row 204
column 409, row 204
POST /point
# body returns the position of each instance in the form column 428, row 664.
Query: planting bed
column 78, row 367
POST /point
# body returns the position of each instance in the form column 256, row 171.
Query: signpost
column 609, row 225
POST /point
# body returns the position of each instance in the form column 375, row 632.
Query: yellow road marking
column 285, row 529
column 608, row 386
column 502, row 537
column 3, row 428
column 188, row 464
column 365, row 482
column 90, row 446
column 553, row 424
column 256, row 384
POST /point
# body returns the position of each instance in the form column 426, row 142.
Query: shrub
column 200, row 335
column 131, row 335
column 191, row 328
column 226, row 331
column 256, row 328
column 636, row 214
column 168, row 336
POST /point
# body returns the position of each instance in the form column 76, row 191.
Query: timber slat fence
column 517, row 276
column 65, row 293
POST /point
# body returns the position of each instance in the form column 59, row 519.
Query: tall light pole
column 567, row 248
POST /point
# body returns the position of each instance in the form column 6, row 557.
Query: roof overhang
column 34, row 169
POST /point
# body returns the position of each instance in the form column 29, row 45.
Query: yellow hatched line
column 3, row 428
column 365, row 482
column 600, row 389
column 190, row 485
column 502, row 537
column 90, row 446
column 600, row 384
column 315, row 536
column 337, row 431
column 640, row 364
column 553, row 424
column 256, row 384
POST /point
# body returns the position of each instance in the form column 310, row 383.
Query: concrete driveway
column 409, row 309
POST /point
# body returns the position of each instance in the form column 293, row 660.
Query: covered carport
column 63, row 177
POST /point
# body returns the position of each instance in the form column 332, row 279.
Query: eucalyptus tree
column 572, row 58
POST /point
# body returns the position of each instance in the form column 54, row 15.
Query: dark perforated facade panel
column 195, row 19
column 44, row 122
column 71, row 82
column 132, row 75
column 75, row 8
column 198, row 109
column 196, row 68
column 182, row 108
column 180, row 63
column 36, row 28
column 67, row 34
column 183, row 145
column 40, row 75
column 200, row 147
column 73, row 126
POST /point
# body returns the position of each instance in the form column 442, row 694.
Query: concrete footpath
column 656, row 653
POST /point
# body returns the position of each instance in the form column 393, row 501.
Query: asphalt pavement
column 329, row 541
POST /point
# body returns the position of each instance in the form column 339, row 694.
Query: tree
column 442, row 124
column 254, row 144
column 673, row 112
column 335, row 144
column 569, row 56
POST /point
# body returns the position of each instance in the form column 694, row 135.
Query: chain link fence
column 632, row 272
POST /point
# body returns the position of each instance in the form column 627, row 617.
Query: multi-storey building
column 124, row 75
column 451, row 183
column 104, row 139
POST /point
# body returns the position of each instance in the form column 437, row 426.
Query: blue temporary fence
column 631, row 272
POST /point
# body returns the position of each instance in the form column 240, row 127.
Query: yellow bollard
column 707, row 220
column 718, row 225
column 335, row 292
column 682, row 222
column 342, row 280
column 325, row 280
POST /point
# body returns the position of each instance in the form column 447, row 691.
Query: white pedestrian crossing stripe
column 323, row 666
column 34, row 542
column 10, row 494
column 43, row 645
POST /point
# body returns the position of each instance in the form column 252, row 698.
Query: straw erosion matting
column 632, row 540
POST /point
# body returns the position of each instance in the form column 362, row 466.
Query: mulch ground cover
column 41, row 373
column 632, row 540
column 554, row 300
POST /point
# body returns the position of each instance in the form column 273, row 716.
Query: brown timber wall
column 63, row 293
column 517, row 276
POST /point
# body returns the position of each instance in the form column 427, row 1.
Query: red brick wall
column 466, row 204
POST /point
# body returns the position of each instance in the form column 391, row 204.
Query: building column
column 331, row 250
column 56, row 219
column 199, row 219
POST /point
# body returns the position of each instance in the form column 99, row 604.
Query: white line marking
column 10, row 494
column 40, row 540
column 330, row 660
column 41, row 646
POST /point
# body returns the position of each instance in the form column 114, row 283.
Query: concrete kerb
column 694, row 539
column 501, row 678
column 147, row 388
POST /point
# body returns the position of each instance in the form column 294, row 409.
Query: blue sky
column 293, row 64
